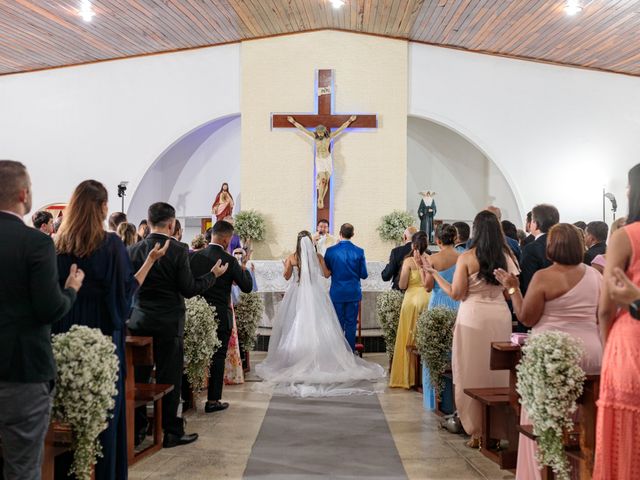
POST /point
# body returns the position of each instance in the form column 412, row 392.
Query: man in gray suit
column 30, row 301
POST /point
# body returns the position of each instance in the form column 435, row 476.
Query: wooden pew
column 580, row 445
column 139, row 352
column 496, row 409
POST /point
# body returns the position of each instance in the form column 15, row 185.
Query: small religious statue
column 322, row 137
column 223, row 204
column 427, row 212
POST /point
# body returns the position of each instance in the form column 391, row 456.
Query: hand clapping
column 427, row 266
column 75, row 278
column 506, row 279
column 621, row 289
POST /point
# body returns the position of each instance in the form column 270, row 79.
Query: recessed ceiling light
column 337, row 3
column 573, row 7
column 86, row 11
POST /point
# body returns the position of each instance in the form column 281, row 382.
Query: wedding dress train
column 308, row 353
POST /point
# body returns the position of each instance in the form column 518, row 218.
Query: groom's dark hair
column 346, row 231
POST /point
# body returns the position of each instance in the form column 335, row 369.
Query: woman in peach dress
column 483, row 316
column 563, row 297
column 618, row 423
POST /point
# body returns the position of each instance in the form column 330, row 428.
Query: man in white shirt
column 322, row 238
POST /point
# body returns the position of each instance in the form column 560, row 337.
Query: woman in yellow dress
column 416, row 299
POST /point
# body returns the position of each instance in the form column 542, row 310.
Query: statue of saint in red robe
column 223, row 205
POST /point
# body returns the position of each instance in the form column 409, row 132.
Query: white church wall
column 190, row 173
column 110, row 121
column 558, row 134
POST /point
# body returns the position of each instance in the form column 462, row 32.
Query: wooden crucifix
column 321, row 123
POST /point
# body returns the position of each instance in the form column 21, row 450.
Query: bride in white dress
column 308, row 353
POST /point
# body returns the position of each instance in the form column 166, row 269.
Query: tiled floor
column 226, row 438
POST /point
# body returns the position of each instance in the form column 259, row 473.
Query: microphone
column 612, row 199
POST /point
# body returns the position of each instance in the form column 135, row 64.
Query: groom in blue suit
column 348, row 266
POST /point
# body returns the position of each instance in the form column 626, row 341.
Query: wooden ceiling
column 39, row 34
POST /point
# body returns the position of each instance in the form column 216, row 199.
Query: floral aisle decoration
column 434, row 339
column 388, row 307
column 250, row 226
column 249, row 311
column 393, row 225
column 87, row 372
column 550, row 381
column 200, row 340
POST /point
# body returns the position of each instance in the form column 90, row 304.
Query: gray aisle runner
column 339, row 437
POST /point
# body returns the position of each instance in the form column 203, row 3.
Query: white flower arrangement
column 87, row 368
column 388, row 307
column 200, row 340
column 434, row 338
column 249, row 312
column 550, row 381
column 250, row 225
column 393, row 225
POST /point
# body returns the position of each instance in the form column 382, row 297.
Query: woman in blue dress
column 103, row 301
column 445, row 262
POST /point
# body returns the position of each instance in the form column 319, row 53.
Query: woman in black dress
column 103, row 301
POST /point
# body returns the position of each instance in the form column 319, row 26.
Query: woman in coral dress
column 618, row 423
column 564, row 298
column 483, row 316
column 416, row 299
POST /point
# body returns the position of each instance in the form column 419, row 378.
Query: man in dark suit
column 159, row 311
column 219, row 295
column 462, row 238
column 534, row 255
column 596, row 240
column 397, row 256
column 348, row 266
column 30, row 301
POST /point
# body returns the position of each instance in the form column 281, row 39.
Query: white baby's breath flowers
column 200, row 340
column 249, row 312
column 388, row 307
column 550, row 380
column 434, row 337
column 85, row 386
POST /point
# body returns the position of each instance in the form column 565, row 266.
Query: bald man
column 397, row 256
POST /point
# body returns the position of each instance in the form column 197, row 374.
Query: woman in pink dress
column 618, row 423
column 562, row 297
column 483, row 317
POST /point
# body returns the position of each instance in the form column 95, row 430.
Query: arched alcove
column 465, row 179
column 188, row 174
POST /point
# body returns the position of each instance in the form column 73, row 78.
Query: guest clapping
column 32, row 300
column 105, row 301
column 483, row 316
column 617, row 440
column 562, row 298
column 416, row 298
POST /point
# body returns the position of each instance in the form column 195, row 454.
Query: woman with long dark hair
column 483, row 316
column 416, row 299
column 104, row 300
column 618, row 423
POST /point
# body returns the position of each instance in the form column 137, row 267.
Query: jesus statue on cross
column 322, row 137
